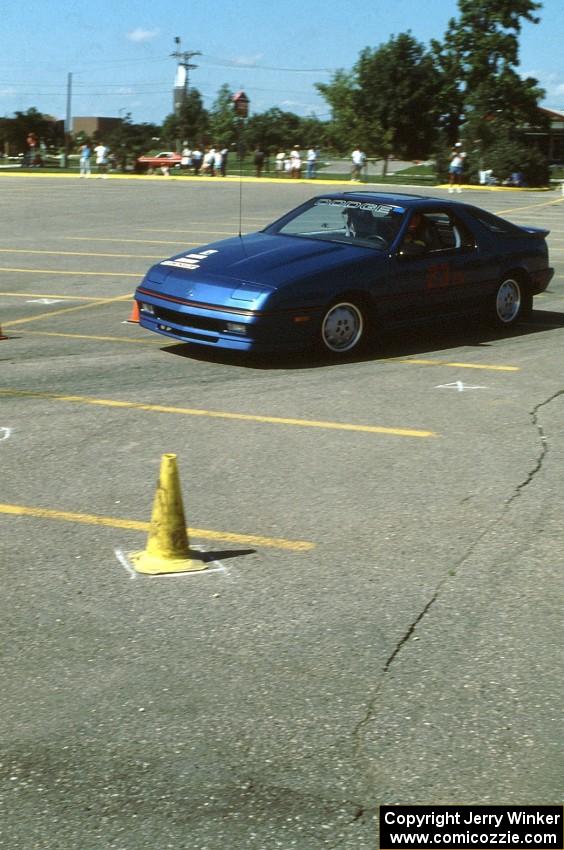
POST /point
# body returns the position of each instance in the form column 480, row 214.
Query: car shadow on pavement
column 402, row 342
column 209, row 556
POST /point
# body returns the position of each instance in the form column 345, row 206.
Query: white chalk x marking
column 459, row 386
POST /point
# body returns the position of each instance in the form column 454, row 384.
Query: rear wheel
column 512, row 302
column 343, row 327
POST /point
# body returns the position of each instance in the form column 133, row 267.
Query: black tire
column 343, row 328
column 512, row 301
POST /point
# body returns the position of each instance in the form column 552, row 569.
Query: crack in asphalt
column 370, row 710
column 534, row 414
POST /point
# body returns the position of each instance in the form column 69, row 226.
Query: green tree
column 482, row 94
column 339, row 94
column 128, row 141
column 14, row 131
column 222, row 119
column 190, row 124
column 388, row 103
column 274, row 129
column 396, row 98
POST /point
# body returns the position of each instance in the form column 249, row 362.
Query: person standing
column 209, row 162
column 218, row 162
column 279, row 162
column 295, row 163
column 258, row 160
column 197, row 157
column 311, row 163
column 32, row 149
column 101, row 152
column 84, row 162
column 224, row 155
column 186, row 161
column 358, row 159
column 456, row 168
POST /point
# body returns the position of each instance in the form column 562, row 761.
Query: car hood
column 257, row 262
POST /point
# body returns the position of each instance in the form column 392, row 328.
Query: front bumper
column 234, row 329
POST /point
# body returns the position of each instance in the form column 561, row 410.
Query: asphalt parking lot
column 382, row 622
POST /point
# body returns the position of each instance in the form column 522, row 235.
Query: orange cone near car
column 134, row 315
column 168, row 550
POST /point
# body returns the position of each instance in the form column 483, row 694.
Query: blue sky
column 118, row 51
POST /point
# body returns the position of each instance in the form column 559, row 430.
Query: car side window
column 450, row 233
column 435, row 232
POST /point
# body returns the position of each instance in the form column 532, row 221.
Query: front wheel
column 512, row 302
column 343, row 327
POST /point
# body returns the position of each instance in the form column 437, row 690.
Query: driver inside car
column 416, row 239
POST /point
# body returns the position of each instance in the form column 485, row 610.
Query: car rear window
column 495, row 224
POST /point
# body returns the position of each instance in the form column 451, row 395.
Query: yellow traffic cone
column 167, row 545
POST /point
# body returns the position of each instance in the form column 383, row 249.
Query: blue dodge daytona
column 340, row 267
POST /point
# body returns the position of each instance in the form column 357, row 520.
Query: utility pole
column 184, row 66
column 68, row 121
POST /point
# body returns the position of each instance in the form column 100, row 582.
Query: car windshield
column 366, row 224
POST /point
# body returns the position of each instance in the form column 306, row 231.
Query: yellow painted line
column 215, row 414
column 154, row 343
column 508, row 189
column 79, row 253
column 185, row 178
column 232, row 232
column 49, row 295
column 530, row 207
column 136, row 241
column 52, row 313
column 60, row 272
column 420, row 362
column 135, row 525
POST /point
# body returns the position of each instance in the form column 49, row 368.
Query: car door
column 451, row 270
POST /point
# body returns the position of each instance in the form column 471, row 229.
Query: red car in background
column 160, row 161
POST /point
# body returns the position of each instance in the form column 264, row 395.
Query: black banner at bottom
column 471, row 827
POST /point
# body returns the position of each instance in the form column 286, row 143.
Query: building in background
column 89, row 125
column 551, row 141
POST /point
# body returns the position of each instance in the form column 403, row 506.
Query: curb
column 318, row 181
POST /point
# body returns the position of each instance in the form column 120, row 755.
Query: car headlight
column 147, row 308
column 235, row 328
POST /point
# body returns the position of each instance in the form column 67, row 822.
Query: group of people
column 211, row 161
column 291, row 164
column 102, row 159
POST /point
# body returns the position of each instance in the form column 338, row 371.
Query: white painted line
column 219, row 568
column 460, row 386
column 206, row 572
column 125, row 563
column 45, row 301
column 5, row 433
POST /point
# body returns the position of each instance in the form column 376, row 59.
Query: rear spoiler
column 536, row 232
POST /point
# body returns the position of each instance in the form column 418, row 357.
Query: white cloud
column 7, row 92
column 248, row 61
column 296, row 104
column 550, row 81
column 139, row 34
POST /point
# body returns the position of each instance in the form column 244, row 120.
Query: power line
column 240, row 66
